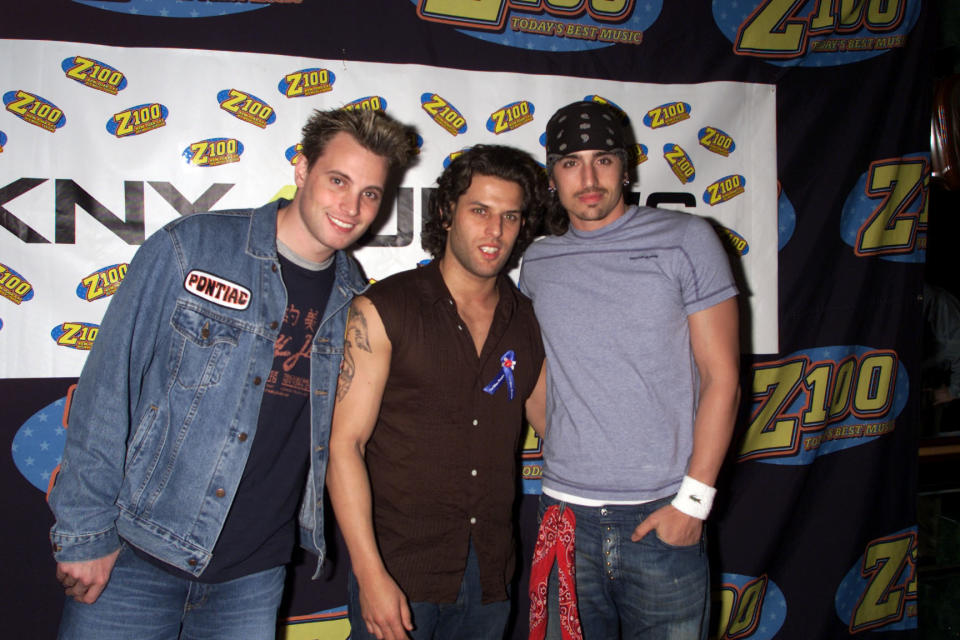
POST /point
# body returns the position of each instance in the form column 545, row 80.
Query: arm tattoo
column 356, row 336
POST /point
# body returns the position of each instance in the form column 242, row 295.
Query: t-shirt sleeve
column 523, row 281
column 706, row 277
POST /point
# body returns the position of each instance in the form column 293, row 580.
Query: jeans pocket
column 666, row 545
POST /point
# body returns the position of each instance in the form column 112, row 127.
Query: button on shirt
column 444, row 454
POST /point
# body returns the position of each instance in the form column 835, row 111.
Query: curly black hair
column 497, row 161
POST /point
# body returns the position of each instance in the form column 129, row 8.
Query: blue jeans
column 647, row 589
column 145, row 602
column 468, row 617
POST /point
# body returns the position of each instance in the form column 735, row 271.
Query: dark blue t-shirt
column 260, row 530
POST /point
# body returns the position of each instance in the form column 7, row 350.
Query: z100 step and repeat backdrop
column 798, row 128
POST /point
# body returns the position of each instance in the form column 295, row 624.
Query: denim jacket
column 166, row 408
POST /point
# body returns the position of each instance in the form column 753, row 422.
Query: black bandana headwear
column 584, row 126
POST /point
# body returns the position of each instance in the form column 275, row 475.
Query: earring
column 626, row 181
column 552, row 189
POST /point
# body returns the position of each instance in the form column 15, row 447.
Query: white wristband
column 694, row 498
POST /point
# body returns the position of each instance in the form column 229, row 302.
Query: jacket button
column 220, row 493
column 273, row 325
column 242, row 437
column 257, row 380
column 192, row 562
column 273, row 267
column 57, row 547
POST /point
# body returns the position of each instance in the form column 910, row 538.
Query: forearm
column 83, row 496
column 714, row 336
column 348, row 485
column 713, row 428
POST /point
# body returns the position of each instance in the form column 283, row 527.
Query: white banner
column 101, row 146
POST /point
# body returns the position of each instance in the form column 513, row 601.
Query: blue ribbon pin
column 507, row 362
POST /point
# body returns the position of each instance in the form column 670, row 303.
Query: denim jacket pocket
column 143, row 428
column 143, row 452
column 206, row 342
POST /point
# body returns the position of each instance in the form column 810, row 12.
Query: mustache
column 589, row 190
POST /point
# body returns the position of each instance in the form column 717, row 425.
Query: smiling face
column 590, row 188
column 338, row 197
column 483, row 226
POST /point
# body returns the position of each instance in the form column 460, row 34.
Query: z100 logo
column 822, row 401
column 828, row 31
column 880, row 590
column 294, row 153
column 748, row 607
column 35, row 110
column 733, row 240
column 885, row 214
column 102, row 283
column 94, row 74
column 724, row 189
column 369, row 103
column 716, row 140
column 247, row 107
column 76, row 335
column 13, row 286
column 679, row 162
column 213, row 152
column 307, row 82
column 510, row 117
column 136, row 120
column 453, row 156
column 667, row 114
column 637, row 154
column 547, row 26
column 443, row 113
column 490, row 14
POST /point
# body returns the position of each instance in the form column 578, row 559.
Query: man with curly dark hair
column 487, row 160
column 440, row 363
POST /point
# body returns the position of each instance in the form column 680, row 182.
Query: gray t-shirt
column 622, row 384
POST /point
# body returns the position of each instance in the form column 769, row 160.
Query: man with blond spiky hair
column 202, row 415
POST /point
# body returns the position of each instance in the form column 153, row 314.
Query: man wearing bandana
column 440, row 363
column 639, row 317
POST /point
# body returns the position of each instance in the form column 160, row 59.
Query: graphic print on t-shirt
column 290, row 375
